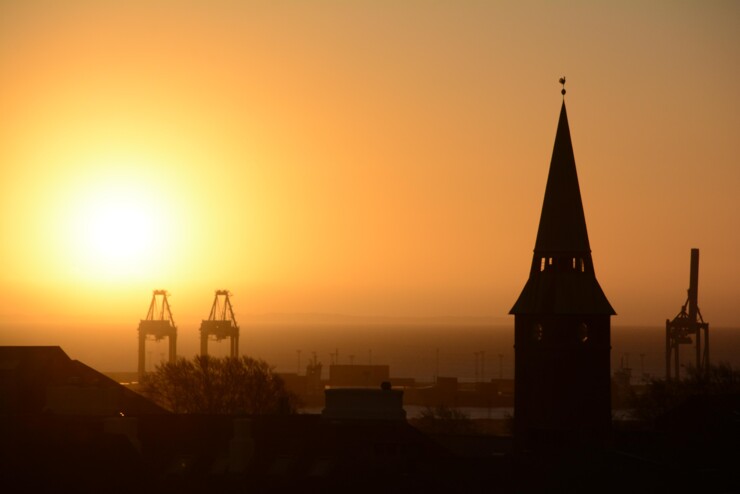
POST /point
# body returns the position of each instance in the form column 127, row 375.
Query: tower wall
column 562, row 369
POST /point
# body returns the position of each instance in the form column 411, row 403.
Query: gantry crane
column 220, row 324
column 158, row 324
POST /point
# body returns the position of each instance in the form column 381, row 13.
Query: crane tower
column 158, row 325
column 686, row 324
column 221, row 324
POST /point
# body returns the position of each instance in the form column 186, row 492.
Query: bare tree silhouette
column 229, row 385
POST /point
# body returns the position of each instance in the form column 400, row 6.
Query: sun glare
column 117, row 230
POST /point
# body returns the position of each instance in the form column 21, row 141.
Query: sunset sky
column 367, row 158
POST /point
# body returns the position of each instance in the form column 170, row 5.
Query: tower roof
column 562, row 279
column 562, row 222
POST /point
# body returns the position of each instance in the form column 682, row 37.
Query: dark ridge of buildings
column 55, row 438
column 82, row 447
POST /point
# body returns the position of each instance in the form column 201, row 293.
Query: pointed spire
column 562, row 279
column 562, row 222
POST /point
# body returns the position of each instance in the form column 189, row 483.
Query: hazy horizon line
column 308, row 318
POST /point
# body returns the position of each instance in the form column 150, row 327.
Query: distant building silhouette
column 358, row 375
column 562, row 322
column 383, row 403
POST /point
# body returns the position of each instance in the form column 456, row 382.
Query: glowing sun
column 117, row 230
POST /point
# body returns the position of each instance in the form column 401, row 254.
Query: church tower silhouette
column 562, row 322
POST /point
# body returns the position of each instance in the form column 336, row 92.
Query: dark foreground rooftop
column 49, row 445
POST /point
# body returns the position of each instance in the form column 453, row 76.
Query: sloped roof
column 29, row 372
column 562, row 293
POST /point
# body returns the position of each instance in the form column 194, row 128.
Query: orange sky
column 364, row 158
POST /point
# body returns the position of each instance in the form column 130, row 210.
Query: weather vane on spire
column 562, row 81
